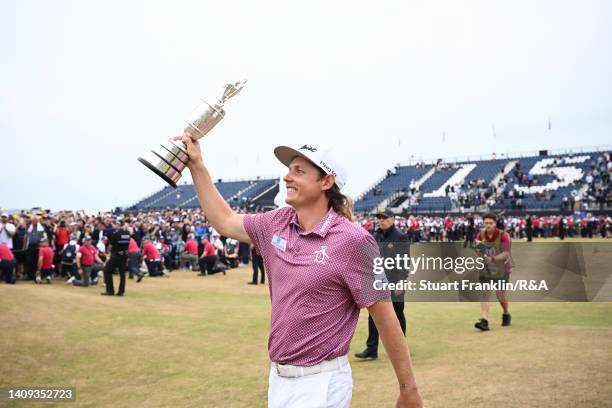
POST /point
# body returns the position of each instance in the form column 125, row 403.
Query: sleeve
column 362, row 282
column 478, row 238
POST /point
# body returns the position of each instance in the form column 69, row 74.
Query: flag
column 549, row 124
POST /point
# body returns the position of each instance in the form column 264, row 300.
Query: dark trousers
column 207, row 264
column 7, row 271
column 372, row 342
column 31, row 263
column 69, row 269
column 134, row 257
column 154, row 267
column 84, row 280
column 529, row 232
column 117, row 261
column 244, row 252
column 469, row 238
column 258, row 265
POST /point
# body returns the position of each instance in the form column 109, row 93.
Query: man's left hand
column 409, row 398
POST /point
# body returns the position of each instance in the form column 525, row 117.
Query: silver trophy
column 168, row 159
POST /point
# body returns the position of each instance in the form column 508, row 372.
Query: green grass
column 189, row 341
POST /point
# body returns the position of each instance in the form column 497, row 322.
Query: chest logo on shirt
column 279, row 242
column 321, row 255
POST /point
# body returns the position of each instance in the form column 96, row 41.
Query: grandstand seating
column 396, row 181
column 571, row 169
column 185, row 195
column 392, row 190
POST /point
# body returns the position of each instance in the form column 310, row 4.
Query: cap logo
column 308, row 147
column 327, row 168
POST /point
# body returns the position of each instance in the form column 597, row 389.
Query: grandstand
column 539, row 181
column 247, row 194
column 516, row 182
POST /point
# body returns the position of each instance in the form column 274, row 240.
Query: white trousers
column 331, row 389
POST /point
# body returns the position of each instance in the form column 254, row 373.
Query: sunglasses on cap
column 381, row 217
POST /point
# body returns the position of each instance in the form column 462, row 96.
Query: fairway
column 191, row 341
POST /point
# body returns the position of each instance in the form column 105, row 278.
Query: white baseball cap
column 320, row 155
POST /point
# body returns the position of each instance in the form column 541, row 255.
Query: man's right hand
column 193, row 150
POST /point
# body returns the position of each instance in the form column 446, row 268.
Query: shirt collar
column 493, row 236
column 321, row 228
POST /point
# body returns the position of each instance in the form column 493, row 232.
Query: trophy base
column 158, row 172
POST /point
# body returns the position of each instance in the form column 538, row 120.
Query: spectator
column 190, row 255
column 86, row 257
column 208, row 260
column 68, row 255
column 45, row 265
column 133, row 260
column 19, row 248
column 152, row 258
column 7, row 264
column 7, row 231
column 35, row 234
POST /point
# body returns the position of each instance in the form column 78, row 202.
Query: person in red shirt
column 7, row 264
column 86, row 257
column 190, row 256
column 208, row 259
column 152, row 258
column 134, row 260
column 497, row 245
column 62, row 235
column 448, row 228
column 45, row 261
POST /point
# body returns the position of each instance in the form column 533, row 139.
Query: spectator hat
column 384, row 213
column 4, row 215
column 320, row 155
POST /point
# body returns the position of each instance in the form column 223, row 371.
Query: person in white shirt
column 7, row 230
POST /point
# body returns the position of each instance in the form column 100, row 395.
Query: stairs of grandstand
column 507, row 169
column 265, row 199
column 389, row 201
column 418, row 183
column 393, row 182
column 252, row 192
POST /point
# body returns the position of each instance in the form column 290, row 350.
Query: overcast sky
column 88, row 86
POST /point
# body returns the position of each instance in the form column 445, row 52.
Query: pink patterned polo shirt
column 318, row 279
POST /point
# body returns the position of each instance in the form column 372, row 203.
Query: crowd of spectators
column 458, row 228
column 40, row 245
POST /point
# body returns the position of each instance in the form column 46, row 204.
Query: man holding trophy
column 319, row 268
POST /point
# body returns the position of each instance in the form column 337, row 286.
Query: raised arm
column 397, row 349
column 219, row 213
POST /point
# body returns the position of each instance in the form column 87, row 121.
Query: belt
column 292, row 371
